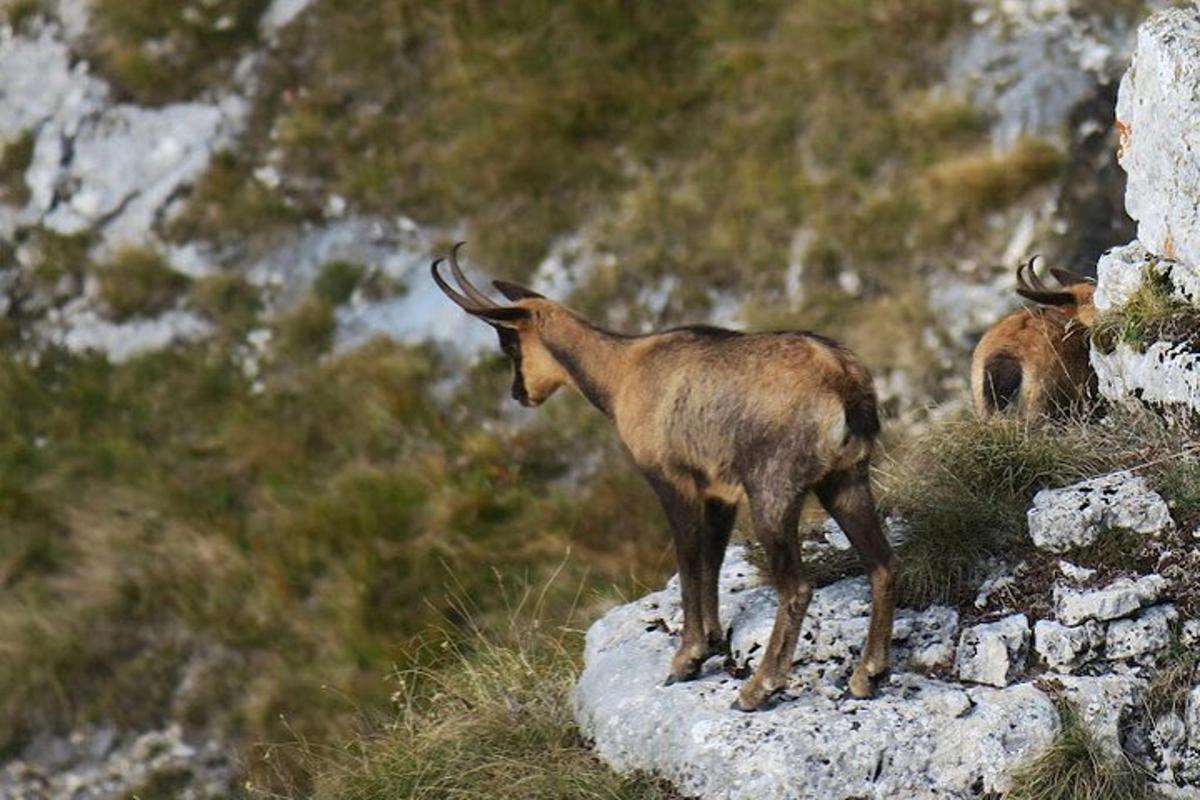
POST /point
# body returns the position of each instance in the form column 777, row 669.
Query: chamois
column 1035, row 361
column 710, row 416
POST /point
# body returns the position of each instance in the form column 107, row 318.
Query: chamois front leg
column 718, row 525
column 775, row 520
column 685, row 514
column 847, row 498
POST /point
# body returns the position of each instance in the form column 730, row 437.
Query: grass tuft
column 962, row 490
column 137, row 281
column 486, row 717
column 1150, row 314
column 1077, row 766
column 15, row 158
column 337, row 281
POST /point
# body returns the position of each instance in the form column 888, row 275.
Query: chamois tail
column 1001, row 382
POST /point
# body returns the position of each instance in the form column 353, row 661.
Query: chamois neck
column 591, row 356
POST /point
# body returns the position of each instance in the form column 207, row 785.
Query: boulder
column 1118, row 599
column 1065, row 647
column 1158, row 117
column 1121, row 270
column 1143, row 635
column 1102, row 701
column 1063, row 519
column 993, row 653
column 816, row 742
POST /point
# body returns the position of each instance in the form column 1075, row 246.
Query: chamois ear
column 1047, row 298
column 1068, row 278
column 502, row 316
column 515, row 292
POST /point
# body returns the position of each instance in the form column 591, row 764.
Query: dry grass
column 1076, row 766
column 963, row 488
column 1150, row 314
column 487, row 716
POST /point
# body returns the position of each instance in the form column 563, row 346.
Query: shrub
column 337, row 280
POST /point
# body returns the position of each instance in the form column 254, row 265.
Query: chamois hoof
column 685, row 678
column 860, row 685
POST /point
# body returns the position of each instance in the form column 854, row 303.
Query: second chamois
column 710, row 416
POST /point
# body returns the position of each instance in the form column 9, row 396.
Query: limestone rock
column 1063, row 519
column 1120, row 598
column 1143, row 635
column 1191, row 718
column 993, row 653
column 1159, row 119
column 1166, row 375
column 1102, row 700
column 1064, row 647
column 815, row 743
column 1121, row 270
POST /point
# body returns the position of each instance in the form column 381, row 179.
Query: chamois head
column 536, row 373
column 1073, row 297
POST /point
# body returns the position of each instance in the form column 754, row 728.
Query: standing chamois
column 710, row 416
column 1035, row 361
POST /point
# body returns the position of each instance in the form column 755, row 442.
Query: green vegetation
column 163, row 516
column 137, row 281
column 1077, row 766
column 160, row 52
column 17, row 12
column 1171, row 682
column 491, row 720
column 15, row 158
column 1151, row 313
column 337, row 281
column 228, row 300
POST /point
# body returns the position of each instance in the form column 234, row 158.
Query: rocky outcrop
column 1075, row 516
column 1159, row 123
column 969, row 701
column 815, row 742
column 1158, row 119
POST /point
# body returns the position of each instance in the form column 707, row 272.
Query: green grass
column 1150, row 314
column 164, row 511
column 228, row 300
column 137, row 281
column 15, row 157
column 337, row 281
column 1170, row 683
column 1077, row 766
column 161, row 52
column 488, row 718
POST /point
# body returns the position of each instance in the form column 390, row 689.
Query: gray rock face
column 1143, row 635
column 1031, row 63
column 1118, row 599
column 993, row 653
column 1159, row 117
column 1102, row 700
column 815, row 743
column 1165, row 375
column 1063, row 519
column 1065, row 647
column 100, row 764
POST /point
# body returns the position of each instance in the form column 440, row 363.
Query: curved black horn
column 477, row 296
column 1038, row 283
column 451, row 293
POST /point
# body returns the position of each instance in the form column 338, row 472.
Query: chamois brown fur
column 711, row 416
column 1034, row 362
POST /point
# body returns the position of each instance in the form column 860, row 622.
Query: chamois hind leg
column 718, row 525
column 685, row 514
column 847, row 497
column 775, row 519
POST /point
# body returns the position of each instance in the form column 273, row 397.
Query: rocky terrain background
column 252, row 456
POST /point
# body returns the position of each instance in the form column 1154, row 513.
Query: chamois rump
column 710, row 416
column 1034, row 362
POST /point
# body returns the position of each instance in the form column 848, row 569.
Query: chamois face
column 536, row 373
